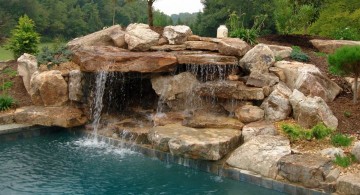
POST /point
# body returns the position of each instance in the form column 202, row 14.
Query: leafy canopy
column 24, row 38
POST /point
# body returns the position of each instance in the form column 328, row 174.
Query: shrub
column 341, row 140
column 320, row 131
column 298, row 55
column 344, row 161
column 345, row 61
column 6, row 102
column 59, row 54
column 347, row 33
column 24, row 38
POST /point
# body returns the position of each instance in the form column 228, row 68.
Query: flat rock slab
column 307, row 169
column 205, row 144
column 229, row 90
column 132, row 130
column 203, row 58
column 207, row 120
column 348, row 184
column 260, row 154
column 93, row 59
column 329, row 46
column 50, row 116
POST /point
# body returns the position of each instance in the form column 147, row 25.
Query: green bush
column 341, row 140
column 346, row 61
column 320, row 131
column 344, row 161
column 59, row 54
column 24, row 38
column 298, row 55
column 296, row 132
column 347, row 33
column 6, row 102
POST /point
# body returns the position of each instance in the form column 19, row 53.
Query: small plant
column 320, row 131
column 341, row 140
column 24, row 38
column 6, row 85
column 59, row 54
column 6, row 102
column 10, row 72
column 296, row 132
column 344, row 161
column 345, row 61
column 347, row 114
column 298, row 55
column 238, row 30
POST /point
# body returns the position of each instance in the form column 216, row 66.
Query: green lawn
column 7, row 55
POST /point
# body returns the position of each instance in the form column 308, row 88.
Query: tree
column 345, row 61
column 24, row 38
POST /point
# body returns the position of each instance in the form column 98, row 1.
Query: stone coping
column 12, row 132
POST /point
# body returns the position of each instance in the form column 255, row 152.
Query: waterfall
column 98, row 100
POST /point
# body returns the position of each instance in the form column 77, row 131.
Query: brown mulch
column 347, row 113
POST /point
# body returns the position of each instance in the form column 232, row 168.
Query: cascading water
column 98, row 101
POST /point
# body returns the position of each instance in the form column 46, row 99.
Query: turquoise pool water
column 64, row 164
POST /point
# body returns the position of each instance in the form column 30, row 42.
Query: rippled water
column 64, row 164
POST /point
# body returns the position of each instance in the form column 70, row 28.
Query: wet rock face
column 205, row 143
column 177, row 35
column 27, row 66
column 50, row 116
column 48, row 88
column 140, row 37
column 307, row 169
column 75, row 85
column 348, row 184
column 93, row 59
column 260, row 154
column 310, row 111
column 308, row 79
column 329, row 46
column 229, row 90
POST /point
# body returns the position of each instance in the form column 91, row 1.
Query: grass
column 7, row 55
column 296, row 132
column 6, row 102
column 6, row 85
column 341, row 140
column 344, row 161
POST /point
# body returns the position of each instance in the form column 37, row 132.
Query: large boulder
column 260, row 154
column 177, row 35
column 75, row 85
column 309, row 111
column 307, row 169
column 201, row 45
column 281, row 51
column 176, row 90
column 233, row 47
column 329, row 46
column 351, row 82
column 112, row 36
column 249, row 113
column 229, row 90
column 257, row 79
column 332, row 153
column 252, row 130
column 27, row 66
column 205, row 143
column 258, row 59
column 308, row 79
column 93, row 59
column 277, row 106
column 140, row 37
column 203, row 58
column 348, row 184
column 48, row 88
column 207, row 120
column 65, row 116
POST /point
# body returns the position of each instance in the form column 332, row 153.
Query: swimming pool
column 61, row 163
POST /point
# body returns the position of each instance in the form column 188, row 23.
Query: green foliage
column 10, row 72
column 344, row 161
column 347, row 114
column 320, row 131
column 238, row 30
column 341, row 140
column 6, row 85
column 24, row 38
column 298, row 55
column 59, row 54
column 296, row 132
column 347, row 33
column 6, row 102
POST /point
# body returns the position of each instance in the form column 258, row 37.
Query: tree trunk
column 150, row 12
column 114, row 12
column 356, row 88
